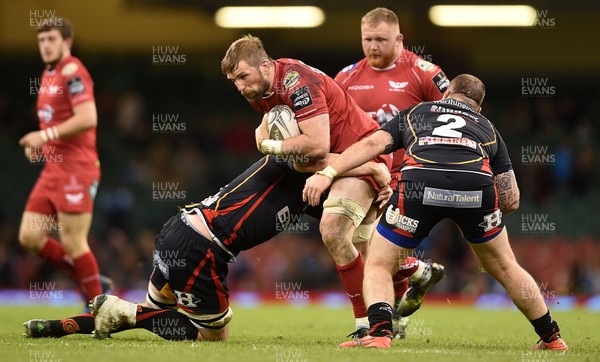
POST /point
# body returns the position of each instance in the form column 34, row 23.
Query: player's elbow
column 319, row 151
column 373, row 147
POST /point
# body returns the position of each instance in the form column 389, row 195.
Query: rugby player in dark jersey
column 191, row 255
column 456, row 157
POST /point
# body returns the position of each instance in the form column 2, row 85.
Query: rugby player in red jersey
column 389, row 79
column 330, row 121
column 463, row 162
column 63, row 195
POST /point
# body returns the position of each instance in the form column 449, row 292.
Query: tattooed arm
column 508, row 191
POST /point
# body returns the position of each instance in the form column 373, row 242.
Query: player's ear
column 479, row 109
column 264, row 66
column 400, row 37
column 69, row 42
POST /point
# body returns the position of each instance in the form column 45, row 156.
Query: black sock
column 166, row 323
column 79, row 324
column 546, row 327
column 380, row 319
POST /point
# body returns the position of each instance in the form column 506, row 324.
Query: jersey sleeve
column 344, row 74
column 308, row 99
column 500, row 163
column 393, row 128
column 78, row 83
column 434, row 81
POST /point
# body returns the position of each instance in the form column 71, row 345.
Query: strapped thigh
column 345, row 206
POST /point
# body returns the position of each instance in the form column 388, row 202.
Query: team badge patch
column 75, row 86
column 441, row 81
column 69, row 69
column 425, row 65
column 301, row 98
column 291, row 79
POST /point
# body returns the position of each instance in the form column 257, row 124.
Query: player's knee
column 349, row 208
column 362, row 234
column 74, row 246
column 338, row 213
column 330, row 233
column 212, row 327
column 30, row 239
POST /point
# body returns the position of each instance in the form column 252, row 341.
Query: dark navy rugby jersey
column 448, row 135
column 260, row 203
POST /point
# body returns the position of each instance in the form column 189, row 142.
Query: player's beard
column 254, row 96
column 381, row 61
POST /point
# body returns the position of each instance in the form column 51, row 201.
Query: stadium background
column 175, row 125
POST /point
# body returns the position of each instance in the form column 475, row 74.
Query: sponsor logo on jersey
column 301, row 98
column 69, row 69
column 393, row 217
column 425, row 65
column 441, row 81
column 75, row 86
column 291, row 79
column 452, row 198
column 397, row 86
column 361, row 87
column 45, row 114
column 424, row 141
column 385, row 113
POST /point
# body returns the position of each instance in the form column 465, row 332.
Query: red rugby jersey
column 383, row 93
column 310, row 92
column 60, row 89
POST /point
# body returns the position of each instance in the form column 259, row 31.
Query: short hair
column 380, row 15
column 248, row 48
column 468, row 85
column 64, row 27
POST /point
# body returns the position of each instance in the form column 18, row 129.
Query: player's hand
column 262, row 132
column 384, row 196
column 382, row 175
column 32, row 139
column 31, row 154
column 314, row 188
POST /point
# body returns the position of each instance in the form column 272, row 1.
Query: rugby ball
column 282, row 123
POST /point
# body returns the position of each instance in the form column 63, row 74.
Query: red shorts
column 63, row 193
column 386, row 160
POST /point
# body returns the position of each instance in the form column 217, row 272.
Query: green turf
column 281, row 333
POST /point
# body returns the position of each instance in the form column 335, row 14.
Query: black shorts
column 428, row 196
column 192, row 267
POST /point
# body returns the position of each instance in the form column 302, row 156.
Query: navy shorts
column 192, row 267
column 425, row 197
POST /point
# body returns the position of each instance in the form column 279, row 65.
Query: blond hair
column 248, row 48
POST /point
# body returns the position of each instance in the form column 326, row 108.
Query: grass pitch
column 283, row 333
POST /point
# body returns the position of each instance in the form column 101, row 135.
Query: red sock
column 400, row 285
column 352, row 276
column 54, row 253
column 88, row 276
column 408, row 268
